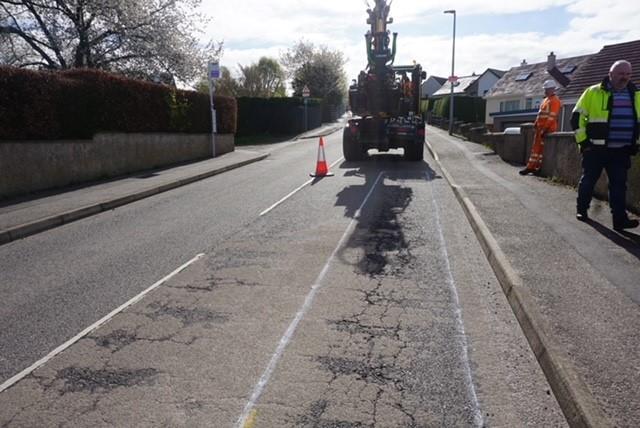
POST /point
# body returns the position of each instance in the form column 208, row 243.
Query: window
column 509, row 105
column 528, row 103
column 523, row 76
column 568, row 69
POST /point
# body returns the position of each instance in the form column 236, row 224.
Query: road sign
column 453, row 79
column 214, row 70
column 306, row 92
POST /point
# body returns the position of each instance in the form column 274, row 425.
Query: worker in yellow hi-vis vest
column 546, row 122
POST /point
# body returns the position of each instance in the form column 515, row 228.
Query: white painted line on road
column 284, row 340
column 471, row 390
column 10, row 382
column 293, row 192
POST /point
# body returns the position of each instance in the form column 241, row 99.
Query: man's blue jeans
column 617, row 163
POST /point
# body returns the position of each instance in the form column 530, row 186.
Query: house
column 432, row 84
column 516, row 97
column 475, row 85
column 595, row 70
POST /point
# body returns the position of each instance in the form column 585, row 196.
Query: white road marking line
column 477, row 414
column 284, row 340
column 11, row 381
column 294, row 192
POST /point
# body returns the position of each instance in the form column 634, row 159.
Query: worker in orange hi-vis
column 546, row 122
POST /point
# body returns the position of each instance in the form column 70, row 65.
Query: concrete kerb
column 577, row 403
column 37, row 226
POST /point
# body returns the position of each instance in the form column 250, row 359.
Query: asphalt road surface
column 358, row 300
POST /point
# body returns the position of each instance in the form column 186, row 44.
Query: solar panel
column 568, row 69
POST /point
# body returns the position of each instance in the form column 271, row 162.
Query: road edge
column 576, row 401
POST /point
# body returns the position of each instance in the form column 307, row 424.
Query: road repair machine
column 385, row 99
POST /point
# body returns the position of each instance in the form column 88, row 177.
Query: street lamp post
column 452, row 77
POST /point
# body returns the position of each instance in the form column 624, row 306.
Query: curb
column 37, row 226
column 576, row 401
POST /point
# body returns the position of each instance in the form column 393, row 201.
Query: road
column 361, row 299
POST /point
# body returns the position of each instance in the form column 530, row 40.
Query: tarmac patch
column 185, row 315
column 82, row 379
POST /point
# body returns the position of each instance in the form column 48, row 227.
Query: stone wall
column 561, row 160
column 31, row 166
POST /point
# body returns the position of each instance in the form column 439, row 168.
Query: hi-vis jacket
column 547, row 118
column 591, row 116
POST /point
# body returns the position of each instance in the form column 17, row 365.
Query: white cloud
column 252, row 28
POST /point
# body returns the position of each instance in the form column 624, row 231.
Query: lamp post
column 452, row 77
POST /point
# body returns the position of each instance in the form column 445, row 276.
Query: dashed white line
column 11, row 381
column 294, row 192
column 284, row 340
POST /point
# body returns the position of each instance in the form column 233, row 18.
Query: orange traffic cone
column 322, row 170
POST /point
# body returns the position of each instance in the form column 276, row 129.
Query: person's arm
column 579, row 120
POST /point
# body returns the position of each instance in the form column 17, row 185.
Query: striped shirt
column 622, row 120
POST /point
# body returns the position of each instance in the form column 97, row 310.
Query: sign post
column 305, row 95
column 213, row 74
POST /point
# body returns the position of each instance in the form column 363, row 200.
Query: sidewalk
column 572, row 286
column 21, row 219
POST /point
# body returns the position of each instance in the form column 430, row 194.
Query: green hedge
column 277, row 116
column 465, row 109
column 76, row 104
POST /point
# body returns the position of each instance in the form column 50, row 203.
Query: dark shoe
column 582, row 216
column 525, row 171
column 625, row 224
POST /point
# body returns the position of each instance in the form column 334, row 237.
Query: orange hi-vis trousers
column 535, row 158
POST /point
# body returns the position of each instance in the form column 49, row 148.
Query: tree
column 264, row 79
column 320, row 69
column 136, row 38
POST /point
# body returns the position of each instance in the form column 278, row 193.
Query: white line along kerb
column 11, row 381
column 284, row 340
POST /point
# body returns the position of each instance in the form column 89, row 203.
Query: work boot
column 626, row 223
column 582, row 215
column 525, row 171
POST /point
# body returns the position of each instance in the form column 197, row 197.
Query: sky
column 489, row 34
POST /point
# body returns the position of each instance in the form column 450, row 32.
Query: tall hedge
column 465, row 109
column 277, row 115
column 76, row 104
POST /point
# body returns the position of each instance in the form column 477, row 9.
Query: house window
column 509, row 105
column 528, row 103
column 523, row 76
column 568, row 69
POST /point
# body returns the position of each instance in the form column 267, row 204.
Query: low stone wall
column 561, row 160
column 31, row 166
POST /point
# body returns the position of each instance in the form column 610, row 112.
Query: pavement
column 573, row 286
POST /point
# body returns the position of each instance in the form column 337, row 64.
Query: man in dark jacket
column 607, row 124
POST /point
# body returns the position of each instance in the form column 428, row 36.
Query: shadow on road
column 379, row 231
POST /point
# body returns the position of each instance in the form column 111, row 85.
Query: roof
column 598, row 67
column 463, row 84
column 528, row 78
column 438, row 79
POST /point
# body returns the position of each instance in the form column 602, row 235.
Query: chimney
column 551, row 61
column 523, row 63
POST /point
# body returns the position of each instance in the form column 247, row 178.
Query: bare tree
column 140, row 38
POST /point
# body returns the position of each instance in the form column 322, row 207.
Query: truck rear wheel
column 414, row 151
column 351, row 147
